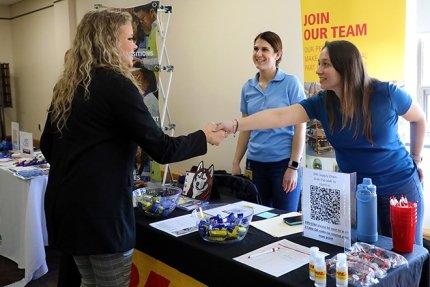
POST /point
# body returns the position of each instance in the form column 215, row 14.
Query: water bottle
column 367, row 212
column 341, row 270
column 313, row 251
column 320, row 271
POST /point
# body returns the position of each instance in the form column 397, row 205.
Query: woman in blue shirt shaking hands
column 273, row 155
column 360, row 116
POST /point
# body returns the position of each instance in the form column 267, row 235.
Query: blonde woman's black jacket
column 88, row 201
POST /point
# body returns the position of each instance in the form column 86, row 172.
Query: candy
column 217, row 228
column 157, row 201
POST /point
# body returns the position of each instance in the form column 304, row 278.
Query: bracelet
column 417, row 158
column 235, row 127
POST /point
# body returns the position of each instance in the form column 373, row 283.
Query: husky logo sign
column 198, row 183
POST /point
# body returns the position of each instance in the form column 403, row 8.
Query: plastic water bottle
column 313, row 251
column 367, row 212
column 320, row 271
column 341, row 270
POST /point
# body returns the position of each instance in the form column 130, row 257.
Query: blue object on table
column 367, row 212
column 5, row 145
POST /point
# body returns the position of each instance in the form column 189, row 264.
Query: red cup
column 403, row 225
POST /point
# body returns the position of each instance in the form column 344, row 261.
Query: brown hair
column 274, row 41
column 357, row 88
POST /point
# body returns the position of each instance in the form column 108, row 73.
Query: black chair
column 226, row 186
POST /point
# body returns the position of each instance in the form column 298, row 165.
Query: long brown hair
column 96, row 45
column 356, row 92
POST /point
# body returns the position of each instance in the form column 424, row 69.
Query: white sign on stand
column 15, row 136
column 328, row 202
column 26, row 144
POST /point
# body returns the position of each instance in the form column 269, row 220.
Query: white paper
column 189, row 204
column 327, row 202
column 26, row 144
column 288, row 257
column 177, row 226
column 276, row 226
column 15, row 135
column 237, row 205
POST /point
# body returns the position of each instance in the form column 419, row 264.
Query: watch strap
column 293, row 164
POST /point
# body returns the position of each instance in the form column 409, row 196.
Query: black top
column 88, row 200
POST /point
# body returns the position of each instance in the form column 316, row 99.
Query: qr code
column 325, row 204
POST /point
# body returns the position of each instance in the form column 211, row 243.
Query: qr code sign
column 325, row 204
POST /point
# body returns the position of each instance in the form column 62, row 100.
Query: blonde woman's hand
column 227, row 126
column 214, row 136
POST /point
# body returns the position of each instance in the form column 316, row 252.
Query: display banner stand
column 150, row 25
column 164, row 65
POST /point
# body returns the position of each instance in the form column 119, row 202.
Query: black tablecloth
column 213, row 264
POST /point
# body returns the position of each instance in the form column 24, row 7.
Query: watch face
column 294, row 164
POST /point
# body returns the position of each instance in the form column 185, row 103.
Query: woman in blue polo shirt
column 273, row 154
column 360, row 117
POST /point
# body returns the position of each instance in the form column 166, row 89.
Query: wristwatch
column 293, row 164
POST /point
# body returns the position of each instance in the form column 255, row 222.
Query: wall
column 422, row 17
column 36, row 58
column 34, row 67
column 6, row 56
column 218, row 39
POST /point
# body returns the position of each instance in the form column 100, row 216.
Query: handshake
column 217, row 132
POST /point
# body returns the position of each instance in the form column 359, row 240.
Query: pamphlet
column 277, row 258
column 15, row 136
column 188, row 203
column 26, row 144
column 177, row 226
column 328, row 206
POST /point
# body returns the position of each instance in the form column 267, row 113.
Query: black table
column 213, row 264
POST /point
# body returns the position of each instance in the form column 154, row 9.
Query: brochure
column 188, row 203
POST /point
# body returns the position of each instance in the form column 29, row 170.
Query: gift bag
column 198, row 182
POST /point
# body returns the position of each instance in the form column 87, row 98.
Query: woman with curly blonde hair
column 95, row 121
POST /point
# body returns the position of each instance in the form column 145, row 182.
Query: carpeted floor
column 10, row 273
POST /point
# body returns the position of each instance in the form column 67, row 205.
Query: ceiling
column 8, row 2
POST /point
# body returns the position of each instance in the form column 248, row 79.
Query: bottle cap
column 367, row 181
column 341, row 257
column 367, row 186
column 320, row 258
column 314, row 250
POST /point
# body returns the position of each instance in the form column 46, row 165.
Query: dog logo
column 199, row 184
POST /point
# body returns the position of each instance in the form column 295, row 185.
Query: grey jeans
column 105, row 270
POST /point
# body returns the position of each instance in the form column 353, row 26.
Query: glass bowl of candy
column 158, row 201
column 223, row 225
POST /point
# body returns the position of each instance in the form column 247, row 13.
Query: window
column 424, row 75
column 426, row 105
column 425, row 60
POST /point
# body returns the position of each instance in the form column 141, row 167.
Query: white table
column 22, row 224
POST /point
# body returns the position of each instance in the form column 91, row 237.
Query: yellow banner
column 149, row 272
column 377, row 28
